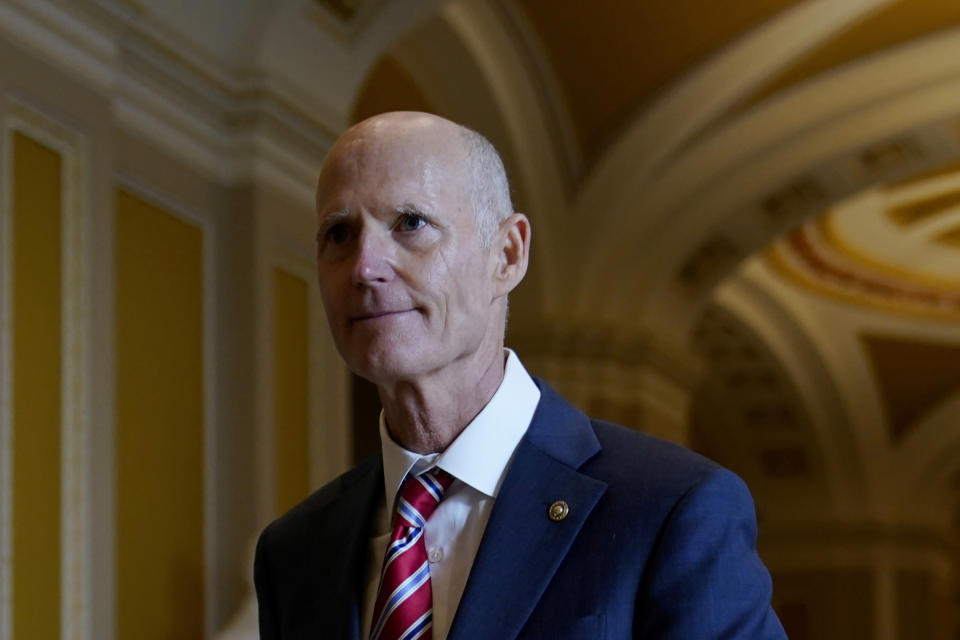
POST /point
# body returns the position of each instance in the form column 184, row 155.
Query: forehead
column 388, row 167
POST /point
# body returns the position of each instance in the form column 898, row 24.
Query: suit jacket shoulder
column 632, row 457
column 658, row 542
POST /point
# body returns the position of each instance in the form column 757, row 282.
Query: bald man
column 495, row 509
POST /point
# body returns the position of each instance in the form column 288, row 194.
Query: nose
column 373, row 259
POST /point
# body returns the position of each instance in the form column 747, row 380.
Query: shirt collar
column 480, row 455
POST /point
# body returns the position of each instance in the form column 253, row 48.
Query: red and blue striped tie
column 404, row 606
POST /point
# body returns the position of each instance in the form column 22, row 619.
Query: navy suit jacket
column 658, row 543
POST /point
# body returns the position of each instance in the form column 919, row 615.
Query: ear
column 511, row 244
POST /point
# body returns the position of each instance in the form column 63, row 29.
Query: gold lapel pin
column 558, row 510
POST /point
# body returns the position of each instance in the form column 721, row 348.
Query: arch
column 930, row 458
column 844, row 456
column 704, row 95
column 712, row 196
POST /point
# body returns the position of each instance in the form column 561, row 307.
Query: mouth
column 377, row 315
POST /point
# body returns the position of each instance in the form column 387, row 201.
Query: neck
column 427, row 414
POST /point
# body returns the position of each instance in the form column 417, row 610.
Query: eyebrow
column 330, row 219
column 334, row 217
column 336, row 214
column 411, row 209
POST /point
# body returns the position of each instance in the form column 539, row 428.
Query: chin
column 384, row 367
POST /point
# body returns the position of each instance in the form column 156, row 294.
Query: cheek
column 457, row 292
column 468, row 296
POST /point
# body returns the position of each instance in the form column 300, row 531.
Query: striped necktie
column 404, row 606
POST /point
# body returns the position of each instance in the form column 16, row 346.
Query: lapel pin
column 558, row 511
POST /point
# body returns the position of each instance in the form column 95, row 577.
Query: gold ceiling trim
column 827, row 227
column 951, row 238
column 796, row 261
column 183, row 53
column 918, row 210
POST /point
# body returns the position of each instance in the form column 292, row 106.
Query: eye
column 337, row 233
column 408, row 222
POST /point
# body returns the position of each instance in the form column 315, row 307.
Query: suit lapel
column 522, row 547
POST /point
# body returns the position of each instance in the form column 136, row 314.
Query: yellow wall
column 36, row 390
column 291, row 395
column 159, row 429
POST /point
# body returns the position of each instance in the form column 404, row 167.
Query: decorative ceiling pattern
column 627, row 53
column 889, row 248
column 950, row 238
column 746, row 413
column 918, row 211
column 805, row 258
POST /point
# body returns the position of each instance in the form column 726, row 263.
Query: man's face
column 406, row 285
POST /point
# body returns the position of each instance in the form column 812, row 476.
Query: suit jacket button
column 558, row 511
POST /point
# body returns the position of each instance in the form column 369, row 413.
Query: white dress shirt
column 478, row 460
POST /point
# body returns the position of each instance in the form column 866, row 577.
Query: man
column 529, row 519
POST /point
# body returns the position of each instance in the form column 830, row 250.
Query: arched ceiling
column 889, row 252
column 893, row 24
column 607, row 62
column 747, row 414
column 613, row 59
column 872, row 291
column 317, row 52
column 610, row 57
column 891, row 248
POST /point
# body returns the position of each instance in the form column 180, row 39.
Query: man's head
column 417, row 246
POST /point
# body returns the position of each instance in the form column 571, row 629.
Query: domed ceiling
column 872, row 292
column 614, row 59
column 891, row 250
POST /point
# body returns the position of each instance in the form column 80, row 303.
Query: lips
column 376, row 315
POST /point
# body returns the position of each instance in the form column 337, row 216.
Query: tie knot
column 419, row 496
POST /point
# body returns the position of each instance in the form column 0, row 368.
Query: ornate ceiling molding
column 808, row 258
column 659, row 134
column 734, row 185
column 759, row 317
column 231, row 126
